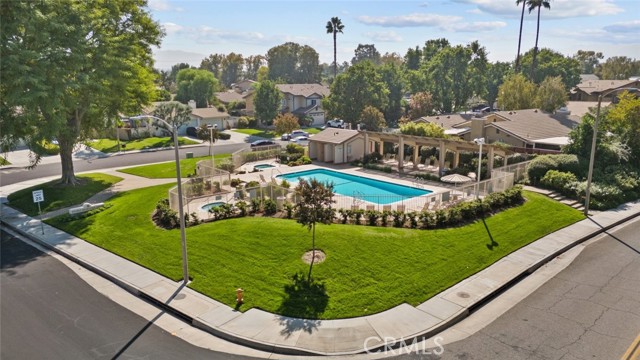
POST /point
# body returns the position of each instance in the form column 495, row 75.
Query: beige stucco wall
column 493, row 135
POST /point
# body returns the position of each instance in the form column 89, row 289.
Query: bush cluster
column 539, row 166
column 384, row 168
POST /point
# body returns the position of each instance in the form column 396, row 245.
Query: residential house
column 453, row 124
column 298, row 99
column 199, row 116
column 336, row 145
column 227, row 97
column 590, row 89
column 243, row 86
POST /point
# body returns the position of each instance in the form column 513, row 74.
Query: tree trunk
column 520, row 38
column 313, row 249
column 66, row 159
column 335, row 61
column 535, row 49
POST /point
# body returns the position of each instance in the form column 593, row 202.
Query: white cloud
column 172, row 28
column 411, row 20
column 165, row 59
column 384, row 36
column 163, row 5
column 477, row 26
column 559, row 8
column 207, row 35
column 599, row 35
column 625, row 27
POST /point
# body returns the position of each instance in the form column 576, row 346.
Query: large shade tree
column 355, row 89
column 70, row 67
column 197, row 85
column 267, row 101
column 335, row 26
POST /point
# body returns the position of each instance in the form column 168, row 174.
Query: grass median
column 58, row 196
column 367, row 270
column 111, row 146
column 168, row 169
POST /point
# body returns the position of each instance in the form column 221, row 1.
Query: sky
column 195, row 29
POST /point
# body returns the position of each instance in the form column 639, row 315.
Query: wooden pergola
column 443, row 145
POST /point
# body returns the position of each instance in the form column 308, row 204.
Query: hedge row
column 461, row 213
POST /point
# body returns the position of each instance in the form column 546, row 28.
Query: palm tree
column 533, row 4
column 334, row 27
column 520, row 36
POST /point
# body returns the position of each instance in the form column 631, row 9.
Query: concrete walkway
column 280, row 334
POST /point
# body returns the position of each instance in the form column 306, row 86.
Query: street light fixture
column 479, row 141
column 183, row 236
column 592, row 156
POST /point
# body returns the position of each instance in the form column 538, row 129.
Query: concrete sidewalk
column 280, row 334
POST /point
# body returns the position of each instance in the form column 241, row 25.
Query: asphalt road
column 48, row 312
column 17, row 174
column 590, row 310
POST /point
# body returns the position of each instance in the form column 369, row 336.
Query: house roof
column 579, row 108
column 587, row 77
column 334, row 135
column 533, row 124
column 305, row 90
column 449, row 121
column 229, row 96
column 599, row 86
column 205, row 113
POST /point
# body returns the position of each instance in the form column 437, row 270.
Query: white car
column 294, row 134
column 301, row 140
column 335, row 123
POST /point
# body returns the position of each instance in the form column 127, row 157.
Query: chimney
column 192, row 104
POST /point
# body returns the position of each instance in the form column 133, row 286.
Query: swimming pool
column 263, row 166
column 209, row 206
column 375, row 191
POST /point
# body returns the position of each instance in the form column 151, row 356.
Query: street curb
column 288, row 350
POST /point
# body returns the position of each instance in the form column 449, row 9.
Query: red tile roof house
column 299, row 99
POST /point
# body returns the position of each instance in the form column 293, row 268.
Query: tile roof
column 598, row 86
column 448, row 121
column 229, row 96
column 305, row 90
column 211, row 112
column 534, row 124
column 334, row 135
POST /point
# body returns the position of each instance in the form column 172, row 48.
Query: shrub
column 270, row 207
column 384, row 218
column 255, row 205
column 558, row 180
column 288, row 207
column 371, row 158
column 242, row 207
column 235, row 182
column 386, row 169
column 344, row 214
column 226, row 165
column 441, row 217
column 427, row 219
column 164, row 216
column 413, row 219
column 295, row 149
column 427, row 176
column 372, row 217
column 224, row 136
column 398, row 218
column 357, row 216
column 243, row 122
column 539, row 166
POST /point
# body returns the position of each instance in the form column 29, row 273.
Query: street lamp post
column 479, row 141
column 183, row 236
column 213, row 160
column 592, row 156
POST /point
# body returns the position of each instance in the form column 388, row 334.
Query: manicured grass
column 168, row 169
column 268, row 134
column 368, row 269
column 57, row 196
column 4, row 161
column 111, row 146
column 312, row 131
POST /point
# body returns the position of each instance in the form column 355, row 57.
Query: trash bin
column 189, row 155
column 280, row 200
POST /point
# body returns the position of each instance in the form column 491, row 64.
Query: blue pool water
column 209, row 206
column 375, row 191
column 263, row 166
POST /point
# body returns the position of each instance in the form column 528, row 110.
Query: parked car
column 301, row 140
column 294, row 134
column 336, row 123
column 262, row 143
column 192, row 131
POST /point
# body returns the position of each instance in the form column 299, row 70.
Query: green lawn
column 168, row 169
column 267, row 134
column 368, row 269
column 312, row 131
column 57, row 196
column 111, row 146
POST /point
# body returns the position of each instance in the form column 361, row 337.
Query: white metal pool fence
column 502, row 179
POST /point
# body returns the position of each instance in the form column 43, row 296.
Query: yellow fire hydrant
column 239, row 296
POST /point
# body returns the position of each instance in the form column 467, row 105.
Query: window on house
column 497, row 131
